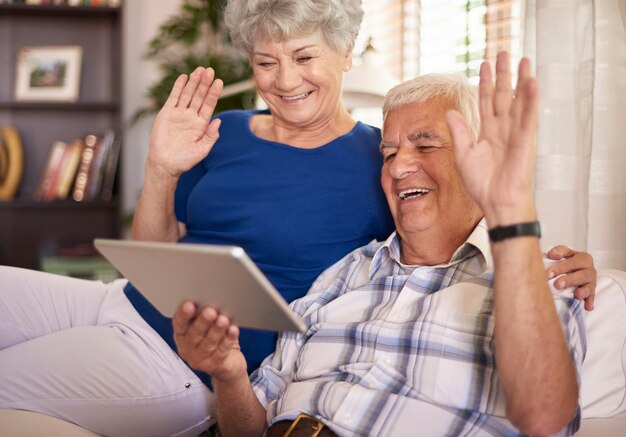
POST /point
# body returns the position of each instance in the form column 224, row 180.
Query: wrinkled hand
column 497, row 169
column 183, row 133
column 579, row 271
column 207, row 341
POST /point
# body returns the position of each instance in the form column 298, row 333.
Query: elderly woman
column 296, row 186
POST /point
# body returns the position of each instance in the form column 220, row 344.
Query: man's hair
column 453, row 86
column 250, row 21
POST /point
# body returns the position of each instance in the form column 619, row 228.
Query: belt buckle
column 317, row 428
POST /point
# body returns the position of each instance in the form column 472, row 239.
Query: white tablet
column 221, row 276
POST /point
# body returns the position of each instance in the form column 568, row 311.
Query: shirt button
column 347, row 418
column 386, row 359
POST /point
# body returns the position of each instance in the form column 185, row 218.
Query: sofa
column 603, row 388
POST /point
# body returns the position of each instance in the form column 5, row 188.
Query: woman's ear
column 348, row 60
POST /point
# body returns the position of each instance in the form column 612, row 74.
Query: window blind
column 391, row 26
column 503, row 28
column 414, row 37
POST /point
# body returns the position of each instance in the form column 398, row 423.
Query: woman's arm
column 154, row 218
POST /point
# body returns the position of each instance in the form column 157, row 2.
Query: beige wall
column 142, row 19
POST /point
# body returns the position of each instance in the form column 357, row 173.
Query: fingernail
column 561, row 284
column 207, row 313
column 551, row 275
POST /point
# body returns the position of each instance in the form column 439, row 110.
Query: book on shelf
column 48, row 184
column 88, row 3
column 83, row 169
column 96, row 173
column 69, row 168
column 110, row 169
column 36, row 2
column 82, row 177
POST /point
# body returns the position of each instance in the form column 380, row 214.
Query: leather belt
column 302, row 426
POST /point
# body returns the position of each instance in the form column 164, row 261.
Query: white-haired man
column 447, row 328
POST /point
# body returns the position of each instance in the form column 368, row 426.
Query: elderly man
column 447, row 328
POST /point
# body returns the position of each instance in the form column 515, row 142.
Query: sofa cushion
column 18, row 423
column 603, row 388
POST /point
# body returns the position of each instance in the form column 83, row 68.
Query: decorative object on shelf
column 48, row 73
column 197, row 37
column 11, row 162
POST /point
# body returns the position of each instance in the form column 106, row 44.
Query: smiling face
column 300, row 79
column 424, row 190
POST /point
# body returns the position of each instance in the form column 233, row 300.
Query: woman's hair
column 452, row 86
column 252, row 20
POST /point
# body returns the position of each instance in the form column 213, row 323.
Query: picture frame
column 48, row 73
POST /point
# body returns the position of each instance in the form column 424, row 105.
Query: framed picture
column 48, row 73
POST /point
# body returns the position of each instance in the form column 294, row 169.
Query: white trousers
column 78, row 350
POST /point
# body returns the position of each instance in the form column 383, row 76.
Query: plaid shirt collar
column 387, row 254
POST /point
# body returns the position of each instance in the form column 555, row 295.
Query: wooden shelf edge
column 60, row 106
column 21, row 203
column 58, row 10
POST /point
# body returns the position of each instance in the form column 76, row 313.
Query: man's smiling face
column 419, row 176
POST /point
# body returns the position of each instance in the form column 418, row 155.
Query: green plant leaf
column 182, row 45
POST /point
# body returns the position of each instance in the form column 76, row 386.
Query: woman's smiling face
column 300, row 79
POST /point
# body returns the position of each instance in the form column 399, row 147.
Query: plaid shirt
column 397, row 350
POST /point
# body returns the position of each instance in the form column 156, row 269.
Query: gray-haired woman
column 297, row 186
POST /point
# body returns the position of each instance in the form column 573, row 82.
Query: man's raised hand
column 497, row 169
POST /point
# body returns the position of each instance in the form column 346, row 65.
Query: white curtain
column 579, row 48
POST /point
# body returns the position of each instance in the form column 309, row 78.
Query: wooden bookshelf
column 28, row 228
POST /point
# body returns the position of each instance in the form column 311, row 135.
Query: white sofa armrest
column 603, row 388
